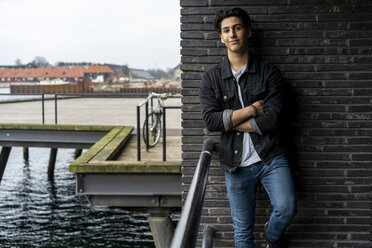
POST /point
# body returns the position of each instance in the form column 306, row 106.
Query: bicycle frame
column 155, row 126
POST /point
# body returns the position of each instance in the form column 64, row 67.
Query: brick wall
column 323, row 48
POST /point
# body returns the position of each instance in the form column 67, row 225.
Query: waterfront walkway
column 100, row 111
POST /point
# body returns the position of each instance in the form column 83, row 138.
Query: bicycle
column 152, row 122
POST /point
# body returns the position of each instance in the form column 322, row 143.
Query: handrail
column 188, row 225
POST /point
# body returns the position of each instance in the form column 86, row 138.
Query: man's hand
column 251, row 111
column 242, row 115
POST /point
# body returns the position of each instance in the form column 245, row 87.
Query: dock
column 108, row 172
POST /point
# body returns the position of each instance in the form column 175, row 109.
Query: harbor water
column 5, row 98
column 37, row 211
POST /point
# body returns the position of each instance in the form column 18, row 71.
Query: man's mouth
column 233, row 41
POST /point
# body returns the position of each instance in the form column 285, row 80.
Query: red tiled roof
column 57, row 72
column 75, row 72
column 99, row 69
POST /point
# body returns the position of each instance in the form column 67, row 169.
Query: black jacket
column 219, row 97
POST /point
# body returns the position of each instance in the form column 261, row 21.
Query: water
column 4, row 98
column 39, row 212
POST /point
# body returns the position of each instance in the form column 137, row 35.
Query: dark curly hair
column 237, row 12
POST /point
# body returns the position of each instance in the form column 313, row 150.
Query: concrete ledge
column 126, row 167
column 55, row 127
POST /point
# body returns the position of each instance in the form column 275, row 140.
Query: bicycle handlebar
column 162, row 95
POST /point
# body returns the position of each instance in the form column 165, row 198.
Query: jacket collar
column 226, row 68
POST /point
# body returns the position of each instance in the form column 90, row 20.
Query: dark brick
column 190, row 84
column 193, row 52
column 360, row 108
column 342, row 17
column 362, row 92
column 212, row 36
column 192, row 67
column 361, row 75
column 191, row 76
column 343, row 67
column 191, row 35
column 348, row 148
column 187, row 3
column 246, row 2
column 204, row 60
column 360, row 140
column 196, row 27
column 360, row 220
column 362, row 157
column 191, row 108
column 198, row 43
column 363, row 42
column 325, row 92
column 284, row 18
column 193, row 124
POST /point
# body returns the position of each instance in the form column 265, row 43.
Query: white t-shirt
column 249, row 153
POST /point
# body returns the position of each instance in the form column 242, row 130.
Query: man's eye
column 225, row 31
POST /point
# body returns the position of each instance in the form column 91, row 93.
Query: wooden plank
column 96, row 148
column 129, row 153
column 114, row 146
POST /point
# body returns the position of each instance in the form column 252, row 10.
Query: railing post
column 138, row 134
column 164, row 135
column 208, row 237
column 42, row 109
column 55, row 108
column 147, row 121
column 4, row 155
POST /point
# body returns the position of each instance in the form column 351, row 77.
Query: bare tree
column 40, row 62
column 18, row 62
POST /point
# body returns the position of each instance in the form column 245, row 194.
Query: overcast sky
column 143, row 34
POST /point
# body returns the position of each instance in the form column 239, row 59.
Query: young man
column 243, row 98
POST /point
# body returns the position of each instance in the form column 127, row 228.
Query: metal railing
column 188, row 225
column 56, row 96
column 164, row 114
column 102, row 95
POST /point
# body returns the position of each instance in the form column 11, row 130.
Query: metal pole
column 4, row 155
column 52, row 161
column 55, row 108
column 42, row 108
column 138, row 135
column 208, row 237
column 147, row 126
column 164, row 136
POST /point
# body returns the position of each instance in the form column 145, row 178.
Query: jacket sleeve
column 273, row 103
column 216, row 118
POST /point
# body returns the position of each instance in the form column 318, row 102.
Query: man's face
column 234, row 35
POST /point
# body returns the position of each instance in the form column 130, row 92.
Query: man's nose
column 232, row 33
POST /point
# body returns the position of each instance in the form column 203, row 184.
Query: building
column 140, row 75
column 66, row 74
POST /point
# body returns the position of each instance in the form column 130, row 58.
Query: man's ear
column 249, row 32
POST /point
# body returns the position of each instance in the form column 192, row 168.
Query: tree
column 60, row 64
column 157, row 73
column 18, row 62
column 40, row 62
column 125, row 70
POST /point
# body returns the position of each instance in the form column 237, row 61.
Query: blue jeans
column 241, row 188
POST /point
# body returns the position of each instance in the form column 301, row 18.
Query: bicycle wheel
column 154, row 126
